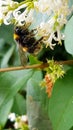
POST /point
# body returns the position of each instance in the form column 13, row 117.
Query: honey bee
column 27, row 43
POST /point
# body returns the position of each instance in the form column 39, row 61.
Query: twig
column 36, row 66
column 68, row 62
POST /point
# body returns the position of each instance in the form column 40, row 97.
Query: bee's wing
column 23, row 56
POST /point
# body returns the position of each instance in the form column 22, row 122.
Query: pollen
column 49, row 85
column 25, row 49
column 16, row 36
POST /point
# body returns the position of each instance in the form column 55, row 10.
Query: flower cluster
column 49, row 84
column 53, row 17
column 20, row 122
column 57, row 12
column 11, row 12
column 53, row 72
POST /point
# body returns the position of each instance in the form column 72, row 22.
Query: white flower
column 42, row 5
column 12, row 117
column 24, row 118
column 59, row 11
column 1, row 15
column 17, row 11
column 48, row 41
column 4, row 2
column 6, row 10
column 29, row 18
column 45, row 28
column 8, row 18
column 22, row 17
column 18, row 16
column 16, row 125
column 7, row 2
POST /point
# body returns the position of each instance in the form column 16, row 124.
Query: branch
column 36, row 66
column 67, row 62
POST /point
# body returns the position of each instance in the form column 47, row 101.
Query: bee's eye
column 18, row 30
column 21, row 31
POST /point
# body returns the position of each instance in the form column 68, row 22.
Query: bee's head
column 20, row 31
column 17, row 33
column 20, row 34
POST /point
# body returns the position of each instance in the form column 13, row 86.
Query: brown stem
column 68, row 62
column 36, row 66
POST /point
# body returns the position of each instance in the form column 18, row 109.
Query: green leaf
column 69, row 36
column 4, row 111
column 71, row 128
column 19, row 105
column 61, row 103
column 7, row 56
column 10, row 84
column 36, row 110
column 33, row 60
column 6, row 33
column 70, row 2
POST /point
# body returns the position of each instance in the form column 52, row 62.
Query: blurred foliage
column 62, row 100
column 8, row 50
column 69, row 36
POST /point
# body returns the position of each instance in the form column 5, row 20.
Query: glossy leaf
column 4, row 110
column 10, row 84
column 33, row 60
column 7, row 56
column 61, row 103
column 6, row 33
column 36, row 107
column 69, row 36
column 19, row 105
